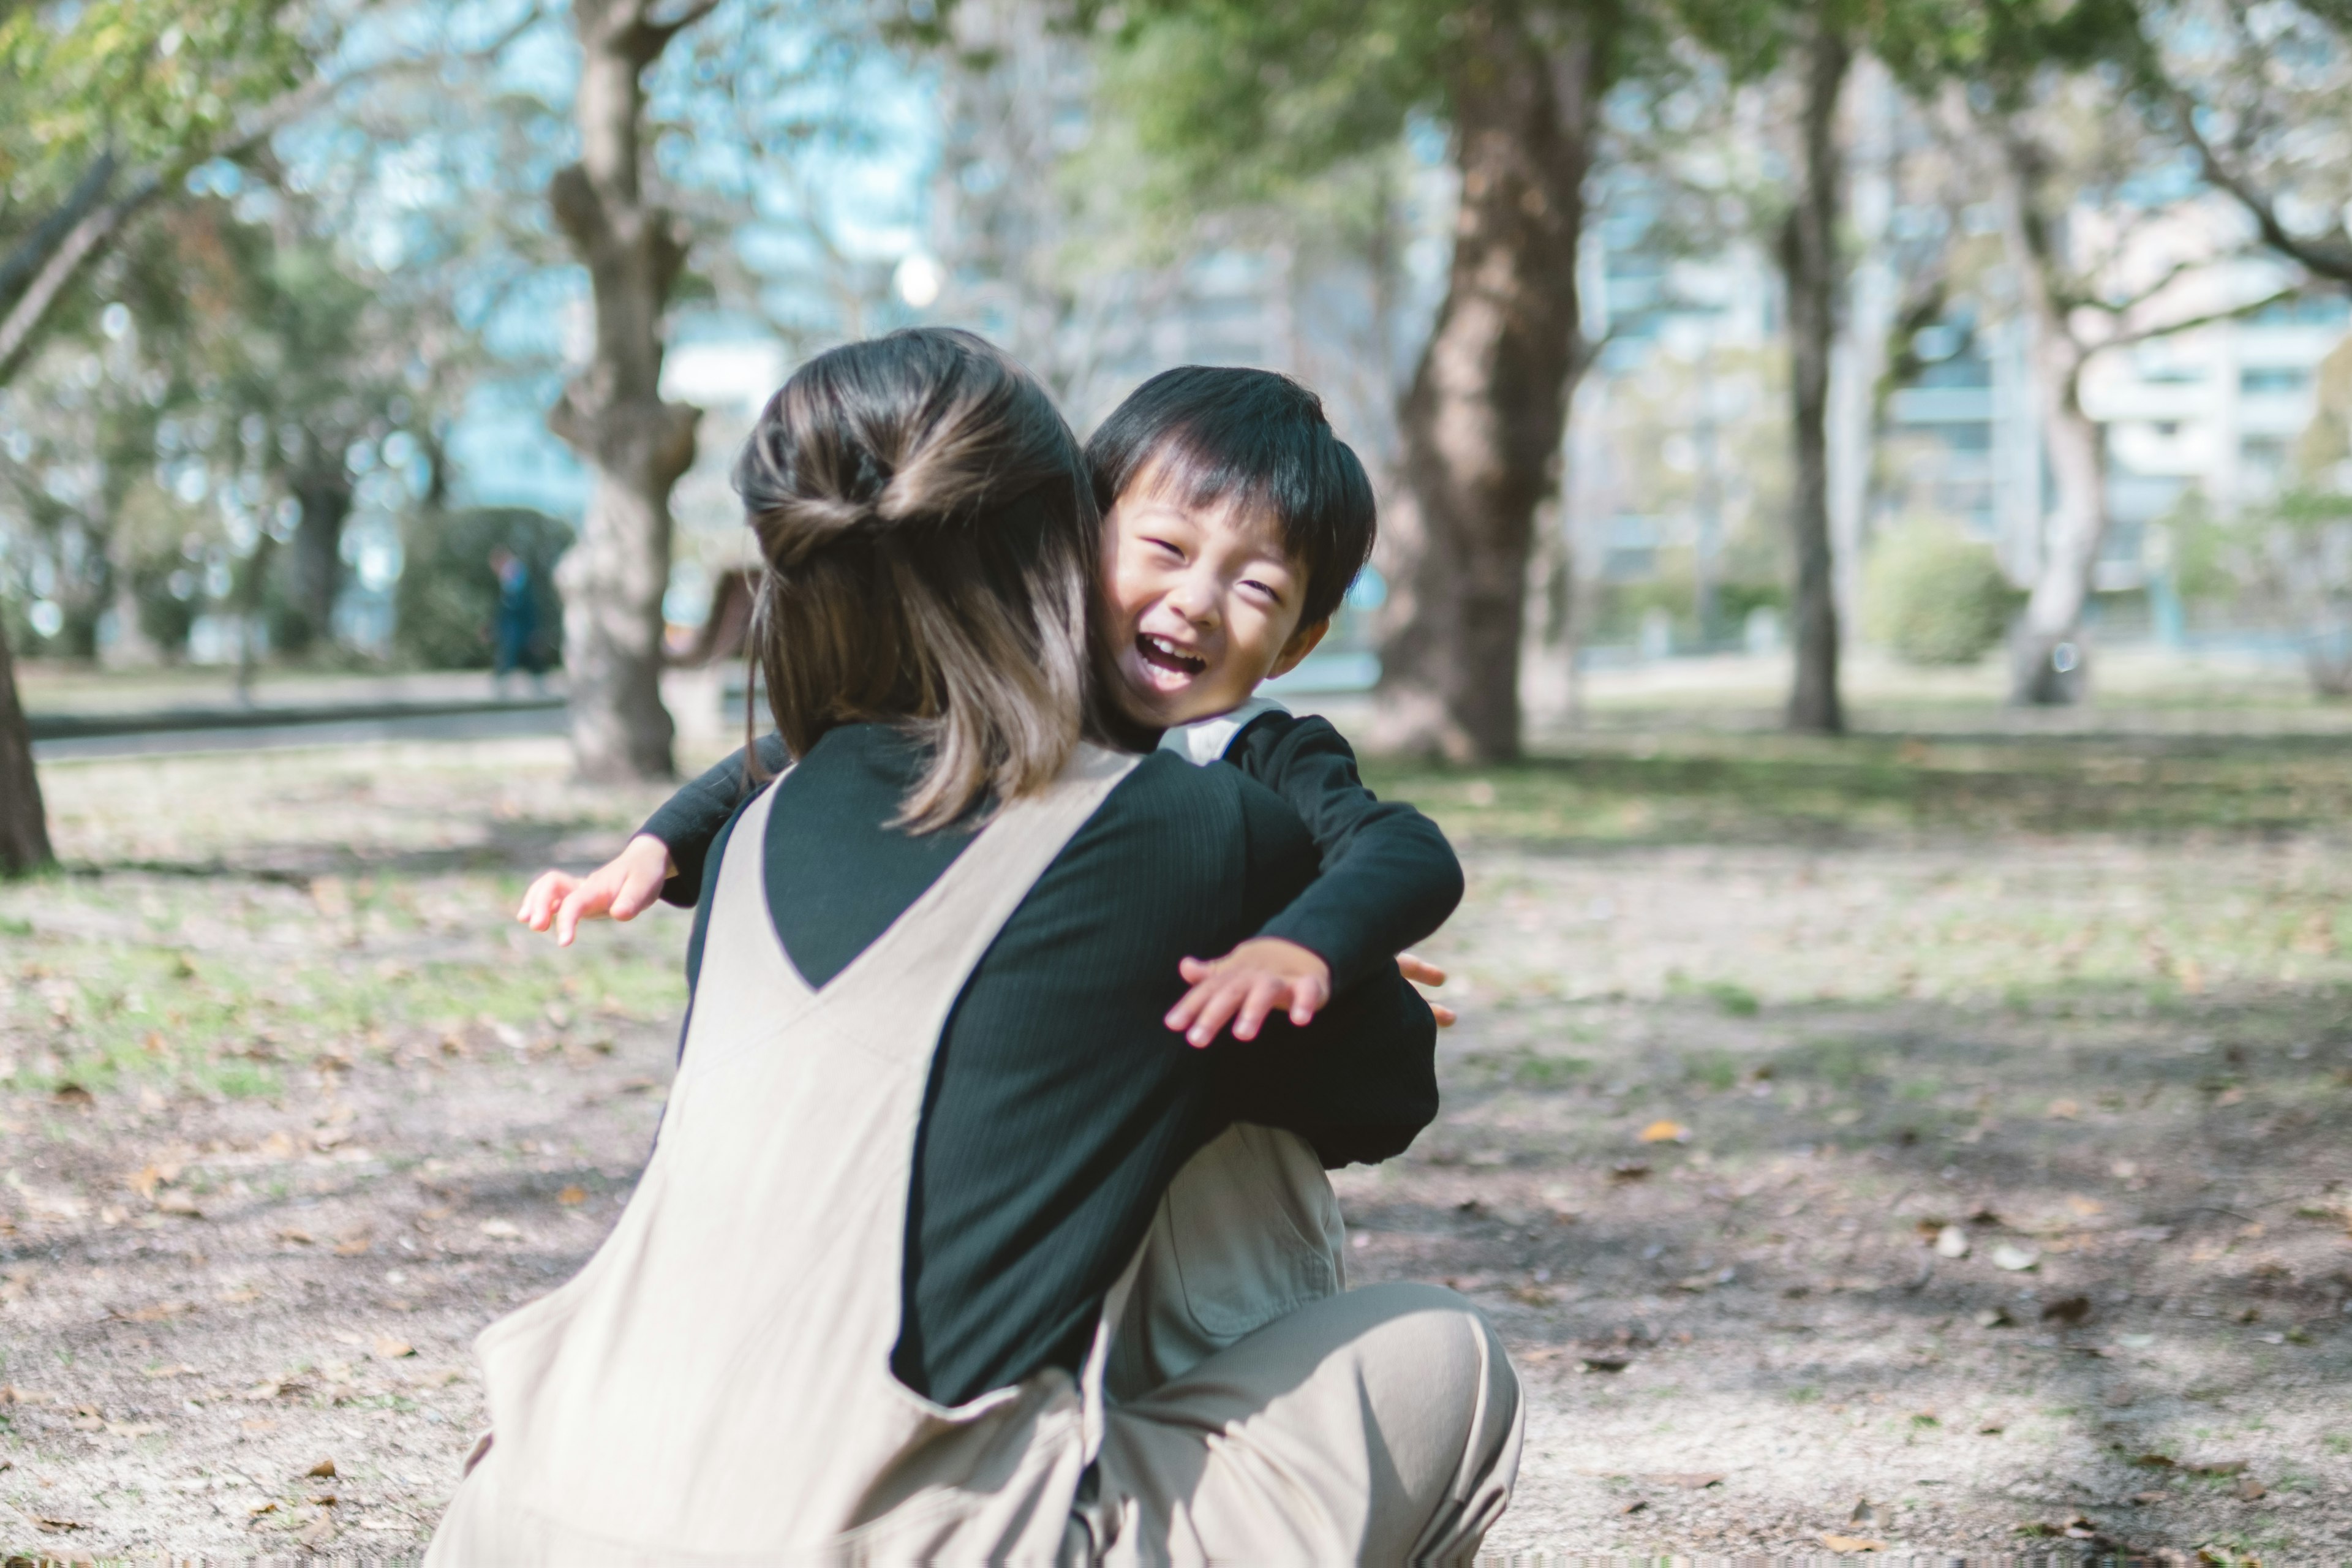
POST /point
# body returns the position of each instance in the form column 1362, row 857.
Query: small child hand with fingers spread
column 1266, row 975
column 621, row 889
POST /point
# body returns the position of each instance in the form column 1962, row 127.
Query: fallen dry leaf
column 259, row 1424
column 279, row 1146
column 134, row 1429
column 56, row 1526
column 296, row 1235
column 1628, row 1171
column 157, row 1312
column 352, row 1246
column 1688, row 1480
column 2249, row 1490
column 501, row 1230
column 238, row 1295
column 1602, row 1363
column 179, row 1202
column 1837, row 1542
column 180, row 1370
column 2067, row 1309
column 570, row 1196
column 2065, row 1110
column 390, row 1349
column 1663, row 1131
column 324, row 1470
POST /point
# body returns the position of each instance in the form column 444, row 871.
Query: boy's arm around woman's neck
column 1388, row 878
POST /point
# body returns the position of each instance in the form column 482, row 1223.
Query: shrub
column 1936, row 596
column 447, row 598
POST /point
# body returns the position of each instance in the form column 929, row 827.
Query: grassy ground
column 1938, row 1142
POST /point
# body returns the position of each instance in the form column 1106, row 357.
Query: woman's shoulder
column 1165, row 797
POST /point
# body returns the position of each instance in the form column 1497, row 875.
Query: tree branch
column 87, row 236
column 2329, row 257
column 39, row 246
column 79, row 246
column 660, row 33
column 2205, row 319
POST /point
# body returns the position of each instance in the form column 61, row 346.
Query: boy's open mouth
column 1164, row 654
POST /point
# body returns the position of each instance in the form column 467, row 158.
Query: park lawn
column 291, row 1109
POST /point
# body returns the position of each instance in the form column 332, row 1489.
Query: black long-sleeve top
column 1386, row 875
column 1059, row 1105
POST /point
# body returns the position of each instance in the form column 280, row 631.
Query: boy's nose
column 1196, row 602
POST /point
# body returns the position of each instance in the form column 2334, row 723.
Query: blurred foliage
column 147, row 81
column 1934, row 595
column 227, row 379
column 448, row 600
column 2287, row 566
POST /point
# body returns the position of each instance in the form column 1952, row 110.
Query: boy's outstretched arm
column 1388, row 878
column 690, row 820
column 664, row 860
column 621, row 889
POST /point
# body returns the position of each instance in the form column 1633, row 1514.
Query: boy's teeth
column 1169, row 652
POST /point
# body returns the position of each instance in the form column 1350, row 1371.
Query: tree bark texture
column 612, row 414
column 2048, row 661
column 1481, row 423
column 24, row 823
column 1809, row 260
column 315, row 565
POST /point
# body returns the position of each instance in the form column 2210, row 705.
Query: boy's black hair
column 1215, row 434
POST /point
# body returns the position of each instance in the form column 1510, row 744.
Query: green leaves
column 154, row 80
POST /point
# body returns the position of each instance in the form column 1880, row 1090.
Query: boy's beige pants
column 1259, row 1413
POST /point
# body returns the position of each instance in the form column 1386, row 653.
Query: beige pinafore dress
column 715, row 1386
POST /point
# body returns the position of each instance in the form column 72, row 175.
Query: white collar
column 1204, row 741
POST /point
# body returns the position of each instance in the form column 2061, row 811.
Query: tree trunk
column 1480, row 426
column 2048, row 663
column 1809, row 258
column 1858, row 366
column 23, row 824
column 613, row 415
column 315, row 563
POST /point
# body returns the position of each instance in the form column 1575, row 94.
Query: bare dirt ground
column 1895, row 1148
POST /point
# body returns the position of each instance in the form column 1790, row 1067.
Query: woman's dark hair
column 931, row 546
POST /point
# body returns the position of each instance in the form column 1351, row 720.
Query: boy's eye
column 1165, row 546
column 1267, row 589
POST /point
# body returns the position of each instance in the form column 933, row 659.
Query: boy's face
column 1203, row 605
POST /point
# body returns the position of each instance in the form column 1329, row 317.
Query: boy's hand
column 1420, row 972
column 622, row 888
column 1264, row 975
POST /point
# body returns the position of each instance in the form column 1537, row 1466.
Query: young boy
column 1234, row 521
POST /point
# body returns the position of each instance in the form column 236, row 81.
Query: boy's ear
column 1302, row 643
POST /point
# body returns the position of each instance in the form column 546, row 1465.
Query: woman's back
column 1059, row 1105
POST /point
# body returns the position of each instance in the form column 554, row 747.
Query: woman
column 856, row 1309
